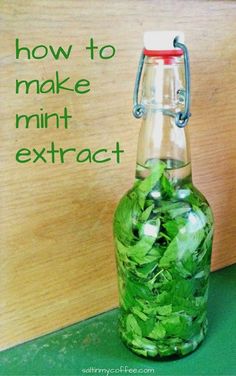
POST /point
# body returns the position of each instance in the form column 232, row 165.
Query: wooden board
column 56, row 231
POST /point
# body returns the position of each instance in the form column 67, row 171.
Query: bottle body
column 163, row 229
column 163, row 235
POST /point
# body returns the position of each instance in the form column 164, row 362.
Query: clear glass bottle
column 163, row 227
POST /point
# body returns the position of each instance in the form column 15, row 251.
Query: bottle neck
column 163, row 95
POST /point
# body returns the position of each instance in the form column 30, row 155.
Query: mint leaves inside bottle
column 163, row 232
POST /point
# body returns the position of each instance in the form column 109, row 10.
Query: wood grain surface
column 56, row 229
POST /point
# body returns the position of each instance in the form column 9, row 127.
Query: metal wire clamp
column 138, row 109
column 181, row 118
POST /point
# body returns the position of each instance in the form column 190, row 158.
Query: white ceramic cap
column 161, row 40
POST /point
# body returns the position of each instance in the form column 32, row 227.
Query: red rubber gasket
column 163, row 53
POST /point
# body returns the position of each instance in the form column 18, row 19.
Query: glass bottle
column 163, row 226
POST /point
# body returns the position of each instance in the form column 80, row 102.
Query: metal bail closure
column 181, row 118
column 138, row 109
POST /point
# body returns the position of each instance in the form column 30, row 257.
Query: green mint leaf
column 146, row 185
column 132, row 325
column 158, row 332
